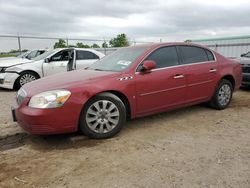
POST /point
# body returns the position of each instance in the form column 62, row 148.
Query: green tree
column 95, row 46
column 81, row 45
column 105, row 45
column 119, row 41
column 60, row 44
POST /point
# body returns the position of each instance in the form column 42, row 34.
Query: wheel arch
column 121, row 96
column 230, row 78
column 23, row 72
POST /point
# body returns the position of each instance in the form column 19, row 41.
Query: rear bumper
column 7, row 80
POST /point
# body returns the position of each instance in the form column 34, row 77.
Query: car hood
column 66, row 80
column 244, row 60
column 13, row 61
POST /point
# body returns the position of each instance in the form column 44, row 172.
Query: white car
column 15, row 75
column 28, row 55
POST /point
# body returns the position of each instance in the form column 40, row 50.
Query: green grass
column 6, row 55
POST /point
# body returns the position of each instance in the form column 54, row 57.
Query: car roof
column 155, row 45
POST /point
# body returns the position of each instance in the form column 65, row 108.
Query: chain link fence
column 19, row 43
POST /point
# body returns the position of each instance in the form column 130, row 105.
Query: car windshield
column 247, row 54
column 45, row 55
column 119, row 60
column 23, row 55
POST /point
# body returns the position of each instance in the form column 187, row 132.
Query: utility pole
column 67, row 41
column 19, row 44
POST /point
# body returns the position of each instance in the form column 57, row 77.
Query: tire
column 24, row 78
column 223, row 95
column 103, row 116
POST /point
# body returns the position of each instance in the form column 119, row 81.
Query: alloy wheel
column 102, row 116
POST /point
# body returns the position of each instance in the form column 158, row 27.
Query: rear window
column 81, row 55
column 210, row 55
column 193, row 54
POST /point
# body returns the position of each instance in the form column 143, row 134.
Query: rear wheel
column 223, row 95
column 103, row 116
column 25, row 78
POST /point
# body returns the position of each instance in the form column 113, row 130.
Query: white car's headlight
column 49, row 99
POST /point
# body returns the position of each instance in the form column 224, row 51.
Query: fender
column 35, row 66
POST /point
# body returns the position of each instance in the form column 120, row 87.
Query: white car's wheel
column 25, row 78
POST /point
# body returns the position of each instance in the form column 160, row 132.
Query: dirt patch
column 191, row 147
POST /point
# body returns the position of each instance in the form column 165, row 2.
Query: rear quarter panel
column 229, row 67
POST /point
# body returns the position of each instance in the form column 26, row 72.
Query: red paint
column 147, row 92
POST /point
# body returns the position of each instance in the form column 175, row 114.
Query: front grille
column 245, row 68
column 21, row 94
column 246, row 78
column 1, row 81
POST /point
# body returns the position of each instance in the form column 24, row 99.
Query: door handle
column 212, row 70
column 178, row 76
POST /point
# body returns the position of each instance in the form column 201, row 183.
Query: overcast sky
column 141, row 20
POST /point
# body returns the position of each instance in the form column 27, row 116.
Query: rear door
column 85, row 58
column 201, row 70
column 163, row 87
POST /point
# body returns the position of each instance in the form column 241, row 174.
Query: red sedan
column 129, row 83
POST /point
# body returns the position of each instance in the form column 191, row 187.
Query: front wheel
column 25, row 78
column 223, row 95
column 103, row 116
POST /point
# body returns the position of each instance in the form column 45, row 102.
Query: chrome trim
column 213, row 70
column 178, row 76
column 214, row 61
column 200, row 83
column 157, row 69
column 160, row 91
column 125, row 78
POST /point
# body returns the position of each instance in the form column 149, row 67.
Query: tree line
column 120, row 40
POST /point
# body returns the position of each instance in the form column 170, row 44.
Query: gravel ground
column 192, row 147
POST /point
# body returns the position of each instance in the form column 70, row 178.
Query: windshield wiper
column 98, row 70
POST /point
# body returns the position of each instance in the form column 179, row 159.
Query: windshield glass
column 23, row 55
column 247, row 54
column 44, row 55
column 119, row 60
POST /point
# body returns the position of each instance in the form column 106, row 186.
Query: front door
column 163, row 87
column 58, row 63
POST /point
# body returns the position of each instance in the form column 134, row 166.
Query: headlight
column 49, row 99
column 2, row 69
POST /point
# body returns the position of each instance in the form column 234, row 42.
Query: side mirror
column 242, row 55
column 46, row 60
column 148, row 65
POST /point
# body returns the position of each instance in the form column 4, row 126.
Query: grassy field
column 7, row 55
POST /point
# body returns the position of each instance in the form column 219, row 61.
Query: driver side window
column 164, row 57
column 61, row 56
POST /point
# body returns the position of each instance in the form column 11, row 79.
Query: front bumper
column 8, row 79
column 47, row 121
column 245, row 79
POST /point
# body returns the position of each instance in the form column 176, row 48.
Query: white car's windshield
column 23, row 55
column 45, row 55
column 119, row 60
column 247, row 54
